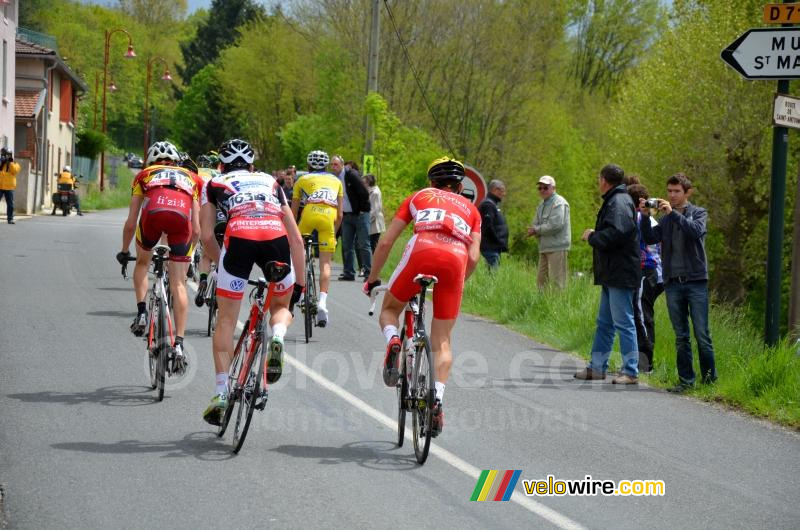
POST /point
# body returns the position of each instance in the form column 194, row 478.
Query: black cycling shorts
column 239, row 256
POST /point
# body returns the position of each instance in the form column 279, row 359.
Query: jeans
column 373, row 241
column 685, row 300
column 615, row 314
column 355, row 238
column 492, row 258
column 9, row 195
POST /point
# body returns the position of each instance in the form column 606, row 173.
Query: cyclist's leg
column 179, row 238
column 236, row 262
column 441, row 332
column 327, row 246
column 147, row 235
column 177, row 284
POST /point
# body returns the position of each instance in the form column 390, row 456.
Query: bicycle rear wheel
column 402, row 393
column 234, row 393
column 309, row 300
column 423, row 390
column 162, row 348
column 246, row 403
column 152, row 346
column 212, row 314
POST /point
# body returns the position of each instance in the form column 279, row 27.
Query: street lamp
column 129, row 54
column 166, row 77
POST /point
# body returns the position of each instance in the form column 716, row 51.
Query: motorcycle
column 64, row 198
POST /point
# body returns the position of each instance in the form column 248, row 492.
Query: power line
column 416, row 78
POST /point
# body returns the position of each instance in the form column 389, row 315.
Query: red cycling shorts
column 154, row 223
column 435, row 254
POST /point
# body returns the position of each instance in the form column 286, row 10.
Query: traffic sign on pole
column 786, row 111
column 766, row 53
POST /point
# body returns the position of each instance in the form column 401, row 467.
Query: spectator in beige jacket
column 552, row 226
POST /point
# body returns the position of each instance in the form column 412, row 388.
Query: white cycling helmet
column 67, row 169
column 236, row 153
column 317, row 160
column 161, row 151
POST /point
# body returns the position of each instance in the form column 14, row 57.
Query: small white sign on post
column 786, row 112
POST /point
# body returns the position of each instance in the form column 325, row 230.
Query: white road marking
column 556, row 518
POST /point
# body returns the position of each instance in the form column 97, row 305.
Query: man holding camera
column 8, row 181
column 681, row 232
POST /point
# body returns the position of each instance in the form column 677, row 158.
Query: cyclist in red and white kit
column 445, row 244
column 261, row 228
column 168, row 197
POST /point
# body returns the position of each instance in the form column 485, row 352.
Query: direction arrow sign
column 766, row 53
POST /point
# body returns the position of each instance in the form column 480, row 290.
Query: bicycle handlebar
column 124, row 270
column 373, row 297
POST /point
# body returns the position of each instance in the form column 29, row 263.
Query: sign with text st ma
column 766, row 53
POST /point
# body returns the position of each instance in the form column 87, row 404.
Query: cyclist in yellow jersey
column 321, row 193
column 207, row 169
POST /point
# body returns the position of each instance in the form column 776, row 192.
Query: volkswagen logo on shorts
column 237, row 285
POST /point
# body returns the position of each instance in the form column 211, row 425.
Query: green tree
column 157, row 13
column 216, row 33
column 200, row 122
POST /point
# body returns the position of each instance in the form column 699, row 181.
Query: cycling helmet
column 446, row 168
column 318, row 160
column 204, row 161
column 162, row 151
column 236, row 153
column 188, row 163
column 68, row 169
column 213, row 156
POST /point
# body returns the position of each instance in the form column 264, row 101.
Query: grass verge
column 118, row 196
column 762, row 381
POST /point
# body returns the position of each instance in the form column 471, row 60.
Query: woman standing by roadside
column 377, row 224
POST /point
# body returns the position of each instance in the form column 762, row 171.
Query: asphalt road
column 83, row 444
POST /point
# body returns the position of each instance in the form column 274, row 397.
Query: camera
column 652, row 203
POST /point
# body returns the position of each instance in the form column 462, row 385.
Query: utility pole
column 794, row 296
column 372, row 71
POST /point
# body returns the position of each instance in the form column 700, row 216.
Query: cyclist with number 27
column 168, row 197
column 260, row 229
column 322, row 195
column 445, row 244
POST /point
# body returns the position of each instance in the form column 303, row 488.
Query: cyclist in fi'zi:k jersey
column 260, row 229
column 165, row 200
column 445, row 244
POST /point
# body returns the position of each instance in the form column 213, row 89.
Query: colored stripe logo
column 496, row 485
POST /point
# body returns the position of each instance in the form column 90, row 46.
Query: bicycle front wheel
column 162, row 349
column 212, row 314
column 234, row 392
column 246, row 403
column 309, row 301
column 402, row 393
column 423, row 391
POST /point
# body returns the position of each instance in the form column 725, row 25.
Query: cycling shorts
column 238, row 257
column 178, row 228
column 319, row 218
column 434, row 254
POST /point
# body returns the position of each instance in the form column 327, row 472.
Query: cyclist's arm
column 384, row 247
column 339, row 214
column 473, row 253
column 195, row 222
column 129, row 230
column 295, row 246
column 295, row 207
column 208, row 217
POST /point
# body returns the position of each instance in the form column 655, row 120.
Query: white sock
column 389, row 332
column 439, row 390
column 322, row 298
column 279, row 330
column 222, row 383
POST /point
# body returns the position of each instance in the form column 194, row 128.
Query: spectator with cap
column 494, row 229
column 552, row 226
column 8, row 181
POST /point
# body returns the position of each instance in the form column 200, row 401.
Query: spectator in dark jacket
column 494, row 230
column 355, row 223
column 682, row 232
column 617, row 269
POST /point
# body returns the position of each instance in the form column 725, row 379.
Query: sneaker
column 12, row 222
column 214, row 412
column 275, row 360
column 625, row 379
column 80, row 213
column 179, row 361
column 680, row 388
column 200, row 299
column 322, row 315
column 363, row 273
column 346, row 278
column 588, row 374
column 139, row 324
column 390, row 372
column 438, row 419
column 261, row 400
